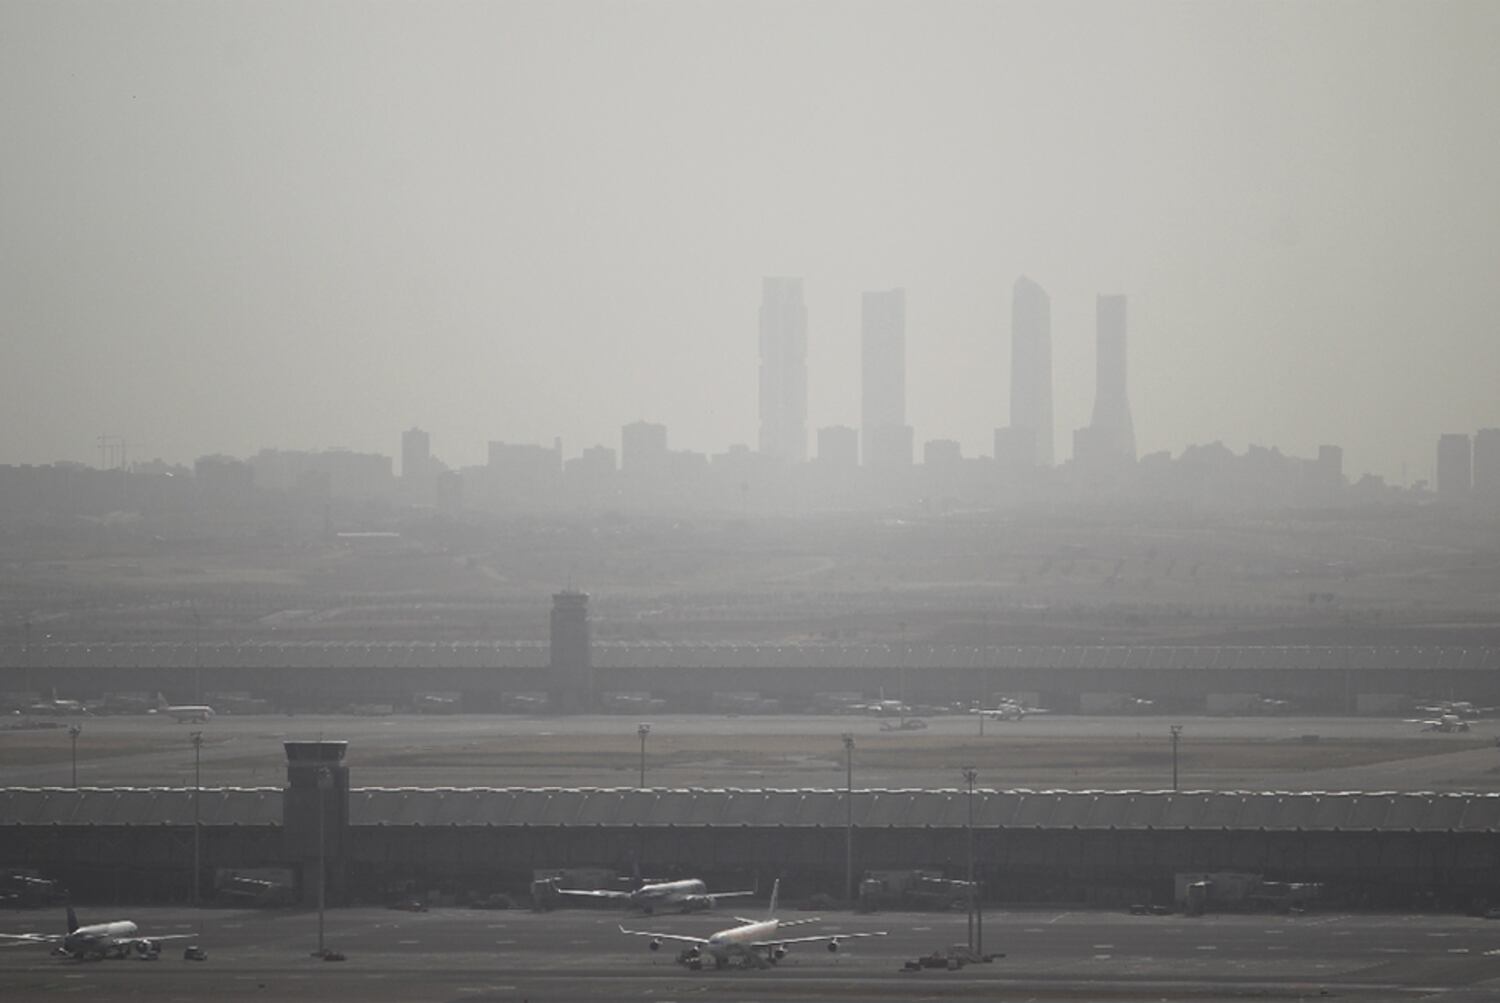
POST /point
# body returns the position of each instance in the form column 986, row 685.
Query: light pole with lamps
column 1176, row 734
column 73, row 732
column 849, row 816
column 197, row 658
column 197, row 739
column 643, row 729
column 969, row 775
column 325, row 781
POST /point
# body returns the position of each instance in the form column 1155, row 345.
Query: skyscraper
column 783, row 370
column 1455, row 465
column 1111, row 434
column 887, row 439
column 1031, row 366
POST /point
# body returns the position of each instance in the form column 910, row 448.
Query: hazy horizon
column 232, row 226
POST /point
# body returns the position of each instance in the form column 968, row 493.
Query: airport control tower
column 315, row 814
column 572, row 668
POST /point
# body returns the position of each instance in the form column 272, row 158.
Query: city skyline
column 226, row 227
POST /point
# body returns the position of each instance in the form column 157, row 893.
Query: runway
column 454, row 954
column 781, row 751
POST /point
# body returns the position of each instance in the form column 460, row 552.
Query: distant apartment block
column 522, row 473
column 838, row 447
column 643, row 449
column 783, row 370
column 1455, row 471
column 1487, row 463
column 942, row 453
column 416, row 454
column 1015, row 452
column 1031, row 371
column 337, row 473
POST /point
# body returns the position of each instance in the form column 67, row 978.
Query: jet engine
column 655, row 944
column 777, row 953
column 833, row 945
column 146, row 950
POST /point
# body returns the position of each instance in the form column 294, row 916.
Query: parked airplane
column 1008, row 710
column 57, row 707
column 882, row 708
column 1445, row 723
column 685, row 896
column 752, row 942
column 183, row 712
column 119, row 938
column 1457, row 708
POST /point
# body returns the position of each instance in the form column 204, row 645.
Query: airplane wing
column 593, row 893
column 681, row 938
column 775, row 941
column 715, row 896
column 32, row 938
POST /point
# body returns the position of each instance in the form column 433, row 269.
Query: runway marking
column 1458, row 950
column 1206, row 947
column 1391, row 950
column 1104, row 947
column 408, row 943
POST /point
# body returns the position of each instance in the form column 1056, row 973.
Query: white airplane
column 183, row 712
column 752, row 942
column 685, row 895
column 1008, row 710
column 119, row 938
column 1448, row 723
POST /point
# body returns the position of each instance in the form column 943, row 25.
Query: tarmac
column 581, row 955
column 772, row 751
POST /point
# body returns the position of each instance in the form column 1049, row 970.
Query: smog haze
column 229, row 226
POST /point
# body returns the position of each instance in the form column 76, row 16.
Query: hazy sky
column 225, row 226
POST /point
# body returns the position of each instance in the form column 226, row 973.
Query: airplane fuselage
column 184, row 713
column 98, row 939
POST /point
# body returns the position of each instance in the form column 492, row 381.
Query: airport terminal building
column 1094, row 848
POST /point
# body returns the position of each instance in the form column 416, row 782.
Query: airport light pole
column 197, row 659
column 849, row 815
column 325, row 781
column 1176, row 734
column 197, row 739
column 969, row 775
column 73, row 732
column 643, row 729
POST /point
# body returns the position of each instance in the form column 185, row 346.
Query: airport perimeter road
column 775, row 751
column 581, row 955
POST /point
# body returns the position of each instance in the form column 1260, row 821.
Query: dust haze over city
column 764, row 322
column 723, row 293
column 573, row 441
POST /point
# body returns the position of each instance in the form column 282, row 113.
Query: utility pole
column 197, row 659
column 325, row 781
column 969, row 775
column 73, row 732
column 1176, row 734
column 197, row 739
column 849, row 816
column 643, row 730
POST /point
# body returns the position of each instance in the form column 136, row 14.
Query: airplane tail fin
column 775, row 891
column 72, row 920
